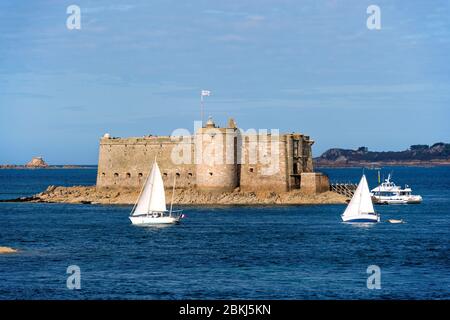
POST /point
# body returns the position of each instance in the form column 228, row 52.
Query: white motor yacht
column 389, row 193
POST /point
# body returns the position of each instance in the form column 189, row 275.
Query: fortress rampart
column 213, row 159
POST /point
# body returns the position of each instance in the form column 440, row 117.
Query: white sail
column 366, row 205
column 361, row 202
column 153, row 197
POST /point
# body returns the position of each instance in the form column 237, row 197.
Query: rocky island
column 6, row 250
column 39, row 163
column 126, row 196
column 214, row 166
column 34, row 163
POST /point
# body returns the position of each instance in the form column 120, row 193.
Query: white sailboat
column 151, row 207
column 360, row 208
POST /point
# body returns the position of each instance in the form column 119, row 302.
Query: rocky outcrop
column 8, row 166
column 5, row 250
column 93, row 195
column 37, row 162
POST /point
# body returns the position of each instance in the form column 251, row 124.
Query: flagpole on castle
column 201, row 108
column 203, row 93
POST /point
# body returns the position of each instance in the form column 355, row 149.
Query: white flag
column 206, row 93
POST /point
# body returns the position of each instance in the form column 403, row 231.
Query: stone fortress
column 213, row 159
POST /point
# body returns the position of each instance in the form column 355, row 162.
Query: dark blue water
column 15, row 183
column 291, row 252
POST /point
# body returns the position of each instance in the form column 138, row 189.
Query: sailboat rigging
column 150, row 207
column 360, row 208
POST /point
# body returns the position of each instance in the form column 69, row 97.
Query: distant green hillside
column 437, row 152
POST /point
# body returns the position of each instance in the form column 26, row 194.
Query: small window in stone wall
column 103, row 174
column 190, row 174
column 116, row 175
column 165, row 175
column 140, row 175
column 210, row 173
column 128, row 175
column 178, row 174
column 251, row 170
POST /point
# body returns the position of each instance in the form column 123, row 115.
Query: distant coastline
column 375, row 165
column 416, row 156
column 39, row 163
column 24, row 167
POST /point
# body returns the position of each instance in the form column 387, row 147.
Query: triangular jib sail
column 153, row 197
column 361, row 202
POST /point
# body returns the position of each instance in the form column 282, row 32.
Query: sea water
column 227, row 252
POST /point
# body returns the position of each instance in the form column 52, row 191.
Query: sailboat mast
column 140, row 193
column 360, row 195
column 379, row 184
column 152, row 176
column 173, row 193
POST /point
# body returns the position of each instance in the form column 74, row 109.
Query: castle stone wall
column 275, row 165
column 218, row 168
column 314, row 182
column 126, row 162
column 257, row 175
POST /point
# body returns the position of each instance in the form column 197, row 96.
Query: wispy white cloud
column 225, row 13
column 250, row 21
column 242, row 19
column 115, row 7
column 229, row 38
column 365, row 89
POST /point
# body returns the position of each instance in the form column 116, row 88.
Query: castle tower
column 216, row 157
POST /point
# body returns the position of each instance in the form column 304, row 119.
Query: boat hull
column 150, row 220
column 390, row 201
column 398, row 200
column 415, row 200
column 395, row 221
column 362, row 218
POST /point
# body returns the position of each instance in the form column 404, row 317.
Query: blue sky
column 137, row 67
